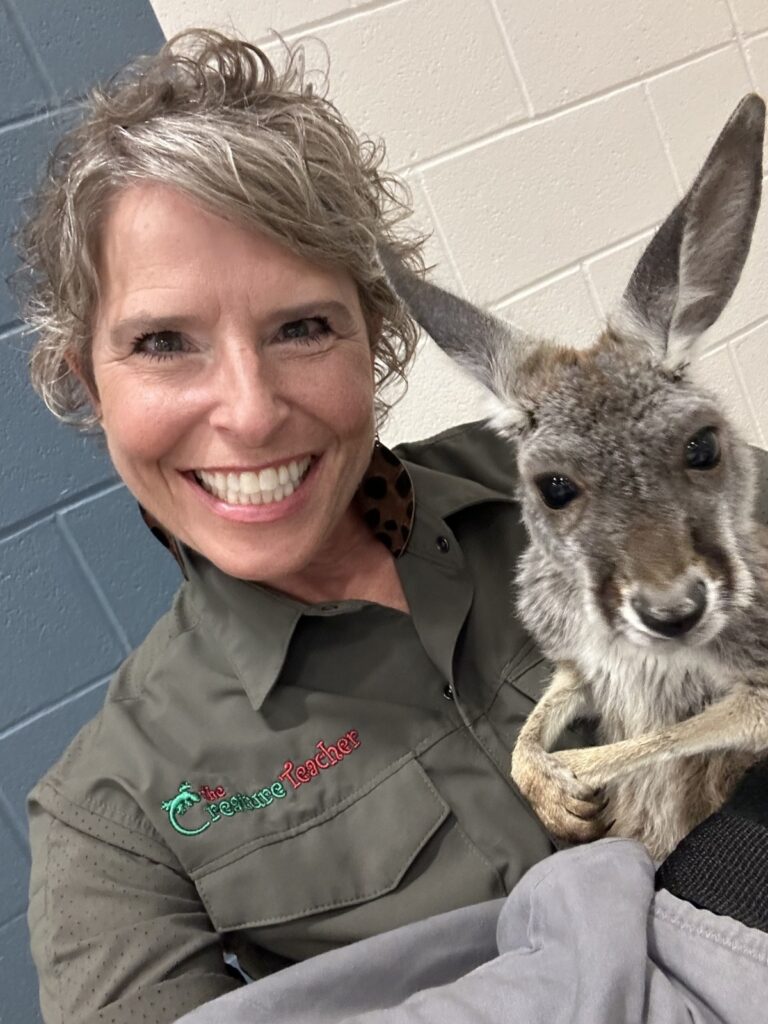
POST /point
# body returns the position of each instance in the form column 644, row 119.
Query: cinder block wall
column 544, row 140
column 80, row 583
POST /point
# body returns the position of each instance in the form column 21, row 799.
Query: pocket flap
column 355, row 855
column 532, row 676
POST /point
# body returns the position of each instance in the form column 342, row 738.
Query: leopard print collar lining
column 385, row 499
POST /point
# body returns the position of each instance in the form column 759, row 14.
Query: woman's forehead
column 155, row 239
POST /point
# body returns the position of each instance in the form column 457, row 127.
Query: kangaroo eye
column 557, row 491
column 703, row 450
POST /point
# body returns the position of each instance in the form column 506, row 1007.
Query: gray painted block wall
column 81, row 579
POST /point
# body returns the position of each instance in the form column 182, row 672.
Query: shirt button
column 442, row 545
column 448, row 691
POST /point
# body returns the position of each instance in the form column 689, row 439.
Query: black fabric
column 722, row 865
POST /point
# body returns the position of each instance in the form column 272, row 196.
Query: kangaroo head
column 632, row 480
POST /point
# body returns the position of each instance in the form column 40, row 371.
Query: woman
column 312, row 746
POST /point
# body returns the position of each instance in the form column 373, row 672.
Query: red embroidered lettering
column 330, row 752
column 328, row 755
column 210, row 793
column 285, row 776
column 326, row 762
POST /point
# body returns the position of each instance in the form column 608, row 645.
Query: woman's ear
column 85, row 377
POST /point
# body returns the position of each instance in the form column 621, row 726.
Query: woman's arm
column 116, row 936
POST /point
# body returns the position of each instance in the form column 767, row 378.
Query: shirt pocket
column 529, row 672
column 350, row 854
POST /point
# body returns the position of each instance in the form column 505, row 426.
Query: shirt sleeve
column 116, row 937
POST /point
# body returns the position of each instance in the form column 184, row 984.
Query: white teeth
column 275, row 483
column 268, row 479
column 249, row 483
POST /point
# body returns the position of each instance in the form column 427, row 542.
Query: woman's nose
column 249, row 397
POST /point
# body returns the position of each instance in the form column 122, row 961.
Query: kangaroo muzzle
column 671, row 612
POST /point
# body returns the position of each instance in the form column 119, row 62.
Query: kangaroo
column 645, row 580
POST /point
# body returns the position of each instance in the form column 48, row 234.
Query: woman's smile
column 253, row 495
column 255, row 486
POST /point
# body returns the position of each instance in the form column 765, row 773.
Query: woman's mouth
column 256, row 487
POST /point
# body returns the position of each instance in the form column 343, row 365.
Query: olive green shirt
column 276, row 779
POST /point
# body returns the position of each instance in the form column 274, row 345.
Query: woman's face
column 234, row 381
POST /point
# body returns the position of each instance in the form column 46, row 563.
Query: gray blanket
column 583, row 939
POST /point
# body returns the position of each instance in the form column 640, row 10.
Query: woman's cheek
column 347, row 394
column 142, row 421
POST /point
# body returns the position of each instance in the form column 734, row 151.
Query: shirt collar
column 253, row 624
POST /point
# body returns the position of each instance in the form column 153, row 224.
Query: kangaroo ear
column 488, row 348
column 692, row 264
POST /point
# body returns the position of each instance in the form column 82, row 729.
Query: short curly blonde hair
column 213, row 117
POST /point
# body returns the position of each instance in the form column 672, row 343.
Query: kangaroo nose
column 674, row 613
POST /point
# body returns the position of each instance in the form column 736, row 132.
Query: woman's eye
column 306, row 330
column 702, row 451
column 159, row 344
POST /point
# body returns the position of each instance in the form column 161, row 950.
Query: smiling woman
column 204, row 274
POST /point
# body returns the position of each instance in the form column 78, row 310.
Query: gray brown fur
column 680, row 718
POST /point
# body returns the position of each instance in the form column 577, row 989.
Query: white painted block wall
column 543, row 140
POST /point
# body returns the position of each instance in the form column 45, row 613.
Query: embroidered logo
column 295, row 775
column 179, row 805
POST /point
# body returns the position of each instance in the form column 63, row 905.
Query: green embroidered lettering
column 278, row 790
column 225, row 808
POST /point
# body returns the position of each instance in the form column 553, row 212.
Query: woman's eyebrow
column 145, row 322
column 329, row 307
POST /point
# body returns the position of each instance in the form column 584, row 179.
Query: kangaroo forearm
column 565, row 700
column 738, row 722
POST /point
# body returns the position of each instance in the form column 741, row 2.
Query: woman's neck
column 353, row 566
